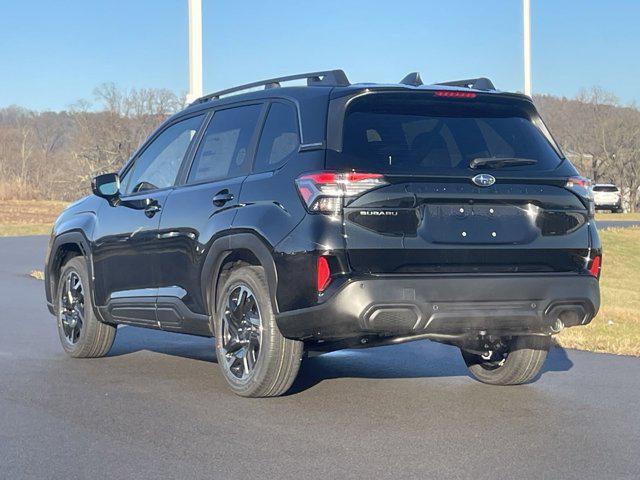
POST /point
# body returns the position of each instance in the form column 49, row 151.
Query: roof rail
column 332, row 78
column 481, row 83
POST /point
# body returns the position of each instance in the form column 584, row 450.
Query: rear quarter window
column 279, row 139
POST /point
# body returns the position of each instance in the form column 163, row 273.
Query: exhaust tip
column 558, row 326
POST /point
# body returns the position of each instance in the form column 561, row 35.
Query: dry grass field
column 28, row 217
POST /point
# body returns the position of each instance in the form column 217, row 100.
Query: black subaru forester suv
column 332, row 216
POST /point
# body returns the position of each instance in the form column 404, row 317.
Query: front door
column 200, row 210
column 126, row 244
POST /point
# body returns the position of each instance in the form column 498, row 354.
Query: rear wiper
column 497, row 162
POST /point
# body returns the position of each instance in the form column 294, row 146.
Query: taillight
column 596, row 264
column 323, row 274
column 454, row 94
column 322, row 192
column 582, row 187
column 579, row 182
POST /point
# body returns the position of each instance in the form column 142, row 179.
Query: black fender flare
column 75, row 237
column 221, row 248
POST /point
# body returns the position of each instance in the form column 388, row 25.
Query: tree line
column 53, row 155
column 600, row 136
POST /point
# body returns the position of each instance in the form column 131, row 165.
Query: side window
column 157, row 166
column 279, row 140
column 223, row 151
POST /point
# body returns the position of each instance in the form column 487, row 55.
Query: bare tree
column 53, row 155
column 601, row 137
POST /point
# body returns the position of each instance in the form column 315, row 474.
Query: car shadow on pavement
column 133, row 339
column 420, row 359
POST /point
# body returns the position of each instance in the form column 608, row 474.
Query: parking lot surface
column 157, row 407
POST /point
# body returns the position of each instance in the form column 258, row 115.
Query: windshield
column 408, row 136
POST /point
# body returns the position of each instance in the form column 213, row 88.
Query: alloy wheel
column 71, row 307
column 241, row 332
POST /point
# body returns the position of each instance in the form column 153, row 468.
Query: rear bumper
column 607, row 205
column 402, row 305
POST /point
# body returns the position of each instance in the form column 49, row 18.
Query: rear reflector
column 454, row 94
column 594, row 269
column 322, row 192
column 324, row 274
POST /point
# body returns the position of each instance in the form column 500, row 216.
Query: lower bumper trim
column 392, row 306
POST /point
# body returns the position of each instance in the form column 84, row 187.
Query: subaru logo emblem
column 484, row 180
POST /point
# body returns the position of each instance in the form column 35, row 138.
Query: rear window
column 605, row 188
column 411, row 135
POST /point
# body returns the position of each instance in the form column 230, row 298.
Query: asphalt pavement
column 157, row 407
column 617, row 224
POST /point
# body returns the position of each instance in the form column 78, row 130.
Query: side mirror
column 106, row 186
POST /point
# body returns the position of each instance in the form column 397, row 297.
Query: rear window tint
column 604, row 188
column 405, row 136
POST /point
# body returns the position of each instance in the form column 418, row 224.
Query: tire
column 522, row 361
column 93, row 338
column 268, row 369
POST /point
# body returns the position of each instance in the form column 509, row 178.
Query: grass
column 8, row 230
column 28, row 217
column 616, row 328
column 609, row 217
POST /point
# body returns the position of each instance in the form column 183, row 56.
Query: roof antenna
column 483, row 83
column 412, row 79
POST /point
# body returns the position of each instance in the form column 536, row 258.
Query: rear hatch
column 434, row 213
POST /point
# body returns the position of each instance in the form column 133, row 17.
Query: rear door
column 439, row 215
column 202, row 208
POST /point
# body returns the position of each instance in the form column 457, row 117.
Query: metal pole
column 195, row 50
column 526, row 17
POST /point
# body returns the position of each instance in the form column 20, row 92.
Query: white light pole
column 526, row 17
column 195, row 50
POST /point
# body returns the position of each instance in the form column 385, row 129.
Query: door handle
column 222, row 197
column 152, row 209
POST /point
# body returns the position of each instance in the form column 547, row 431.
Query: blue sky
column 53, row 53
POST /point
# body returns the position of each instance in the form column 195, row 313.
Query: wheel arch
column 63, row 248
column 234, row 248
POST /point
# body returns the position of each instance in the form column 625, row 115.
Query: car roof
column 311, row 101
column 300, row 94
column 335, row 84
